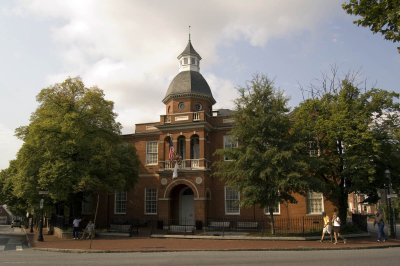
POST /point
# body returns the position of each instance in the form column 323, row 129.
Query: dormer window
column 185, row 61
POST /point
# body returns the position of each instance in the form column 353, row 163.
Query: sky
column 129, row 49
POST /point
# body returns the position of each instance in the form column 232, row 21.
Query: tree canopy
column 72, row 145
column 269, row 162
column 381, row 16
column 356, row 135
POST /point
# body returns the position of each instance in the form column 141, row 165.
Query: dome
column 189, row 83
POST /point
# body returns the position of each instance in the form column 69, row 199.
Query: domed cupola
column 189, row 82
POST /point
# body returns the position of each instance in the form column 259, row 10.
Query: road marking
column 18, row 248
column 2, row 247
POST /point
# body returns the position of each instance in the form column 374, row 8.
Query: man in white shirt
column 76, row 223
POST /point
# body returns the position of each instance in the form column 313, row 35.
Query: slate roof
column 189, row 50
column 189, row 83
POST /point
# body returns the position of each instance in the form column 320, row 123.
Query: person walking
column 76, row 229
column 336, row 228
column 327, row 227
column 381, row 225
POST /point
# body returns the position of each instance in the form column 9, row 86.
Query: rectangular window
column 120, row 202
column 277, row 209
column 150, row 201
column 151, row 152
column 313, row 149
column 229, row 143
column 232, row 201
column 315, row 203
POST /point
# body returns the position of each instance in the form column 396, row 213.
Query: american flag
column 171, row 149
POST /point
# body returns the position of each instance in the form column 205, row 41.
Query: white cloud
column 129, row 48
column 9, row 145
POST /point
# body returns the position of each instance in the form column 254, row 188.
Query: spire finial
column 189, row 33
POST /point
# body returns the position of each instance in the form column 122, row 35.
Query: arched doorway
column 182, row 205
column 186, row 207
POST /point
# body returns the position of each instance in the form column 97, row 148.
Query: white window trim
column 322, row 204
column 225, row 138
column 115, row 202
column 266, row 210
column 226, row 211
column 154, row 141
column 145, row 201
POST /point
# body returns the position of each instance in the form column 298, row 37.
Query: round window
column 181, row 106
column 198, row 106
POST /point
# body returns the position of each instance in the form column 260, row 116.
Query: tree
column 16, row 205
column 268, row 164
column 355, row 147
column 72, row 146
column 379, row 15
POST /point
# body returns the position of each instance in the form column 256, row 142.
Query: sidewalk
column 191, row 243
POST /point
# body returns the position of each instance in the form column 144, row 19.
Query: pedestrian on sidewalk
column 89, row 230
column 381, row 225
column 76, row 229
column 336, row 228
column 327, row 227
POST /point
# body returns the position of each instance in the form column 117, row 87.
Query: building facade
column 195, row 131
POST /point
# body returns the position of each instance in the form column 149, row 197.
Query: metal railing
column 221, row 226
column 187, row 164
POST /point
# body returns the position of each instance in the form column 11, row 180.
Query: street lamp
column 387, row 173
column 40, row 238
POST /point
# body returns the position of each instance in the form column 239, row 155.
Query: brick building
column 196, row 131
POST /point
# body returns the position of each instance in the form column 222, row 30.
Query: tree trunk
column 271, row 213
column 343, row 196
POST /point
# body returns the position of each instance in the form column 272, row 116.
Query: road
column 365, row 257
column 12, row 239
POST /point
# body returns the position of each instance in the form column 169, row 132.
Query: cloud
column 129, row 48
column 9, row 144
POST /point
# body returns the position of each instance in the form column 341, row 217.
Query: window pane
column 229, row 143
column 120, row 202
column 232, row 201
column 152, row 152
column 151, row 201
column 314, row 202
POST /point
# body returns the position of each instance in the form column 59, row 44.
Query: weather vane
column 189, row 32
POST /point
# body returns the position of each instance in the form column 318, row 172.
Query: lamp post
column 40, row 238
column 387, row 173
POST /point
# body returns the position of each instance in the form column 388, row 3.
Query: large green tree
column 72, row 146
column 355, row 135
column 267, row 166
column 381, row 16
column 17, row 206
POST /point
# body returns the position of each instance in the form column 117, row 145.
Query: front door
column 186, row 210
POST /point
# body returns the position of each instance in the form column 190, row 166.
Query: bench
column 123, row 228
column 219, row 225
column 247, row 225
column 181, row 229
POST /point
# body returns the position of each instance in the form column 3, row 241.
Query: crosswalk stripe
column 18, row 248
column 2, row 247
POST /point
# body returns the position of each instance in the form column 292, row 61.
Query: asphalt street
column 12, row 239
column 365, row 257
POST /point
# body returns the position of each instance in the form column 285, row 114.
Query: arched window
column 194, row 147
column 182, row 147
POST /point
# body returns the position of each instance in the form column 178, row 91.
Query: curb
column 230, row 237
column 208, row 250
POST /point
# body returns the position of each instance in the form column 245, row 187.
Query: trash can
column 160, row 224
column 199, row 225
